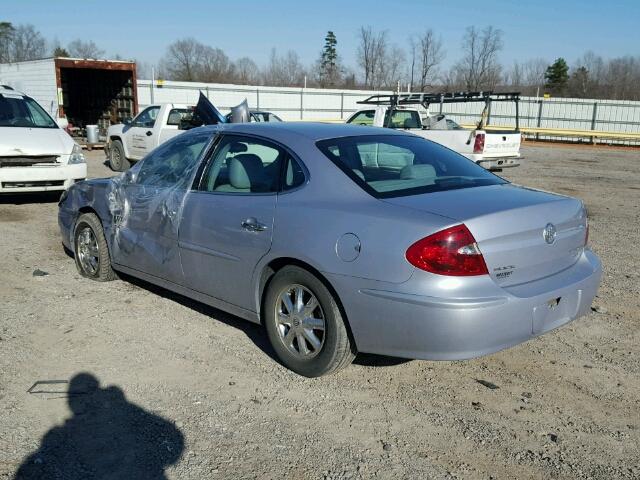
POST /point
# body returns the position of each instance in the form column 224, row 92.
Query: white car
column 35, row 153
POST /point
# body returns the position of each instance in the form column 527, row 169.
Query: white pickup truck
column 158, row 123
column 494, row 150
column 151, row 127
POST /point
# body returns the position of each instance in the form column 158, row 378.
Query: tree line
column 380, row 64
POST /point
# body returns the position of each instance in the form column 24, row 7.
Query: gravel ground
column 195, row 393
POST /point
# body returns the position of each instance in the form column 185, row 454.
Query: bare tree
column 431, row 55
column 6, row 37
column 372, row 50
column 479, row 67
column 533, row 72
column 24, row 43
column 213, row 65
column 181, row 60
column 284, row 70
column 81, row 49
column 246, row 71
column 391, row 68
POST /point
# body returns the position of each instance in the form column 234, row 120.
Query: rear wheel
column 305, row 325
column 117, row 160
column 91, row 251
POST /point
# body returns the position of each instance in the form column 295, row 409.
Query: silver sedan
column 340, row 239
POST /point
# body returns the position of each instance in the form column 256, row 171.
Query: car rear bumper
column 413, row 325
column 40, row 178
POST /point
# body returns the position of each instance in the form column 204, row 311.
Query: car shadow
column 30, row 197
column 106, row 437
column 253, row 331
column 372, row 360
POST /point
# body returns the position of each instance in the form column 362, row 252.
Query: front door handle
column 251, row 224
column 149, row 133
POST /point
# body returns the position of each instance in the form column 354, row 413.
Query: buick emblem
column 549, row 233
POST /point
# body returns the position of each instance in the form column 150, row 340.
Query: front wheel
column 91, row 250
column 304, row 324
column 117, row 159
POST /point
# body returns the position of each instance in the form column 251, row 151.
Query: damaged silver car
column 340, row 239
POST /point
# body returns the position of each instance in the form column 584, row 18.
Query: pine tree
column 557, row 76
column 329, row 70
column 60, row 52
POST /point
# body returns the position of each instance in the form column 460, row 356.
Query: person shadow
column 107, row 437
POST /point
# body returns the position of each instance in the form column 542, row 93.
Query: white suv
column 35, row 153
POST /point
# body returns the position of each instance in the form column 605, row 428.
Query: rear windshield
column 19, row 111
column 397, row 165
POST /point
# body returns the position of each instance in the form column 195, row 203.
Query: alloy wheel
column 87, row 250
column 300, row 321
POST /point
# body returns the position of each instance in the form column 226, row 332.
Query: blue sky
column 143, row 29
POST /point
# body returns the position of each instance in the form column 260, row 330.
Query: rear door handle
column 251, row 224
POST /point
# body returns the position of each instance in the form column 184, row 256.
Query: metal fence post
column 257, row 99
column 593, row 120
column 539, row 122
column 301, row 103
column 151, row 87
column 341, row 105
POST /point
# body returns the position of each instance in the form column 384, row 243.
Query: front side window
column 147, row 118
column 396, row 165
column 244, row 165
column 171, row 164
column 19, row 111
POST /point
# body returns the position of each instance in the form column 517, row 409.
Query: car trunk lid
column 508, row 223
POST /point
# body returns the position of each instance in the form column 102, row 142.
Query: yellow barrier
column 560, row 132
column 557, row 132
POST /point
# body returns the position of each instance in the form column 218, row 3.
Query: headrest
column 238, row 147
column 174, row 118
column 247, row 172
column 410, row 123
column 411, row 172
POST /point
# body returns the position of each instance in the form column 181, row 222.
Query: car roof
column 8, row 89
column 313, row 131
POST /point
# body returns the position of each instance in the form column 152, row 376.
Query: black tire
column 117, row 159
column 336, row 351
column 87, row 229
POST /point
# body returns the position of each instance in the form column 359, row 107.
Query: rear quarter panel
column 311, row 221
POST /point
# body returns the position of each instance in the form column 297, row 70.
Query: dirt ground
column 195, row 392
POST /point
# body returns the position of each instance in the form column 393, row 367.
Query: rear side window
column 402, row 119
column 363, row 118
column 179, row 115
column 397, row 165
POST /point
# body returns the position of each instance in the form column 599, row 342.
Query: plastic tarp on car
column 145, row 202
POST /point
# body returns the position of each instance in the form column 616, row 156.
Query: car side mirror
column 127, row 121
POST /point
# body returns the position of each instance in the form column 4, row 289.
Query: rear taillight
column 452, row 251
column 478, row 144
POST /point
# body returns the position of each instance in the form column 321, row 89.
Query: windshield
column 19, row 111
column 391, row 166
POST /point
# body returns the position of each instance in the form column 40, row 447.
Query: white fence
column 323, row 104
